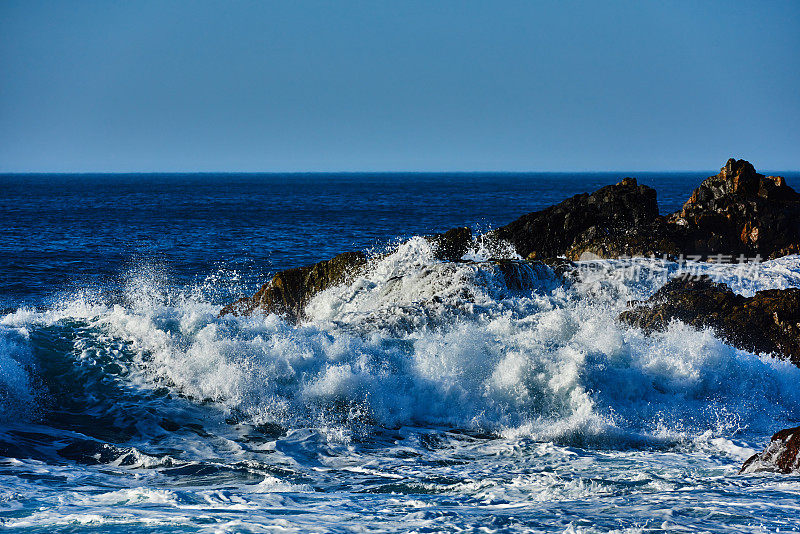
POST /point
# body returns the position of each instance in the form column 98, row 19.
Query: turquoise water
column 423, row 396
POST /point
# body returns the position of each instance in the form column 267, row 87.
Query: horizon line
column 369, row 172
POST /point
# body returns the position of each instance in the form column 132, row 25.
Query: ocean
column 422, row 396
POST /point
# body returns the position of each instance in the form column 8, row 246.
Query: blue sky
column 379, row 86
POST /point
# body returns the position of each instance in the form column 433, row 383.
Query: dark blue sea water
column 68, row 231
column 423, row 396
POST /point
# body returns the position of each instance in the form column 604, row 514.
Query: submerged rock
column 782, row 455
column 91, row 452
column 289, row 291
column 768, row 322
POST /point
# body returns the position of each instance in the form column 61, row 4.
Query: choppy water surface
column 422, row 396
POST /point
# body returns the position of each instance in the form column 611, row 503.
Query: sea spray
column 431, row 388
column 415, row 341
column 17, row 372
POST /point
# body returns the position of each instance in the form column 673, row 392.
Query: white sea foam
column 413, row 340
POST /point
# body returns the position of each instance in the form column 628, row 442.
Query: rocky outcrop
column 615, row 220
column 782, row 455
column 451, row 245
column 768, row 322
column 739, row 211
column 289, row 291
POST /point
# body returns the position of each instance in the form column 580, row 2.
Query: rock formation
column 615, row 220
column 289, row 291
column 739, row 211
column 736, row 212
column 768, row 322
column 782, row 455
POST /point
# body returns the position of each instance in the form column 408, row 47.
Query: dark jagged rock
column 782, row 455
column 617, row 219
column 740, row 211
column 768, row 322
column 650, row 240
column 737, row 212
column 452, row 244
column 289, row 291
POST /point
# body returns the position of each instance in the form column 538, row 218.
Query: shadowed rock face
column 782, row 455
column 768, row 322
column 736, row 212
column 451, row 245
column 617, row 219
column 740, row 211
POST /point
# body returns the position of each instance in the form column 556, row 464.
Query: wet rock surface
column 782, row 454
column 740, row 211
column 614, row 220
column 451, row 245
column 737, row 212
column 289, row 291
column 768, row 322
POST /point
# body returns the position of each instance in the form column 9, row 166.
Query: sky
column 240, row 86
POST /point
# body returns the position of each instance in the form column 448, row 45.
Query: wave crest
column 509, row 348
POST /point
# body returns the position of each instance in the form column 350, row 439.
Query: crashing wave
column 507, row 347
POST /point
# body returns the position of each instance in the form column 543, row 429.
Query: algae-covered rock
column 289, row 291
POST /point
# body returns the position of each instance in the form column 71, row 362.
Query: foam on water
column 497, row 385
column 473, row 345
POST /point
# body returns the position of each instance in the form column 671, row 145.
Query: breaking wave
column 503, row 347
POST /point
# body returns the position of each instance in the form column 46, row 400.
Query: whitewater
column 420, row 396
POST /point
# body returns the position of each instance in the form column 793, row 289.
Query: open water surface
column 422, row 396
